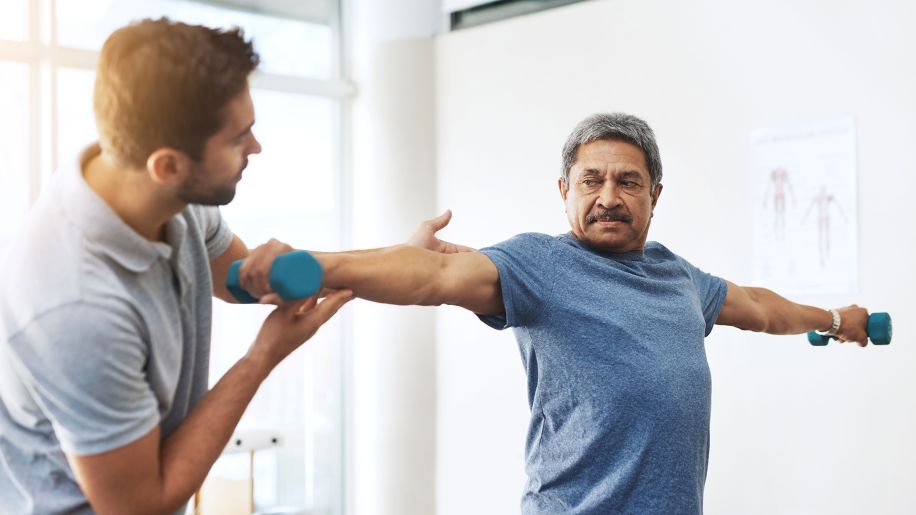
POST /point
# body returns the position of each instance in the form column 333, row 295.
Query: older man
column 611, row 329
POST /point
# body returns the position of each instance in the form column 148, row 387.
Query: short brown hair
column 165, row 84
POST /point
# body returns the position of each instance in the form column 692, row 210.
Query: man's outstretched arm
column 409, row 275
column 762, row 310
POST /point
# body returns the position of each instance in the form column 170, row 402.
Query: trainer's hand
column 273, row 298
column 425, row 236
column 291, row 325
column 853, row 325
column 254, row 274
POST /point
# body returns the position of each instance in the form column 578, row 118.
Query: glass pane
column 75, row 119
column 292, row 181
column 14, row 20
column 15, row 182
column 287, row 46
column 289, row 192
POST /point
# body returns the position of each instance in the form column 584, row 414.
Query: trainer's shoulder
column 49, row 265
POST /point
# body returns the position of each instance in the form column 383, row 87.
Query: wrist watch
column 835, row 326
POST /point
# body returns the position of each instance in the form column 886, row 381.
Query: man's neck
column 131, row 194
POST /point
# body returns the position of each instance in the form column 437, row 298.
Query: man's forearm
column 402, row 274
column 786, row 317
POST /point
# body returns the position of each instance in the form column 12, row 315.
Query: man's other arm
column 762, row 310
column 407, row 275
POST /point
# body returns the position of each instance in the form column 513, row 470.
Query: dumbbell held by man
column 293, row 276
column 879, row 329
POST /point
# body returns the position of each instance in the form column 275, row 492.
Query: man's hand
column 291, row 325
column 425, row 236
column 254, row 274
column 853, row 325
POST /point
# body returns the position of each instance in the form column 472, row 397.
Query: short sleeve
column 711, row 291
column 84, row 367
column 526, row 266
column 217, row 235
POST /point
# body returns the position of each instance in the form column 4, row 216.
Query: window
column 75, row 122
column 290, row 192
column 14, row 145
column 287, row 46
column 469, row 13
column 14, row 20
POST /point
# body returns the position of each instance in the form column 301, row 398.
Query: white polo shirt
column 103, row 335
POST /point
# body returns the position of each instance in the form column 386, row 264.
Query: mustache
column 613, row 215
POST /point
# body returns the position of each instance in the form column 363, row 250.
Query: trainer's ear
column 167, row 166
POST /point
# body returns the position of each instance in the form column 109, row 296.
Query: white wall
column 795, row 429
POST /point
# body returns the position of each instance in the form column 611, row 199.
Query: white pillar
column 391, row 466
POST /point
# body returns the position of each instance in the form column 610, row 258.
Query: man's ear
column 167, row 166
column 655, row 194
column 564, row 188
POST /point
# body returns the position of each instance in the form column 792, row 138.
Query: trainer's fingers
column 307, row 305
column 331, row 304
column 272, row 298
column 324, row 292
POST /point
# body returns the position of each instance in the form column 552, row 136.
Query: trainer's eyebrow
column 246, row 131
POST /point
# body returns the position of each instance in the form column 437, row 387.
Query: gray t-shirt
column 103, row 336
column 618, row 383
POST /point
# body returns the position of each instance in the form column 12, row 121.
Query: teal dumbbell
column 879, row 331
column 293, row 276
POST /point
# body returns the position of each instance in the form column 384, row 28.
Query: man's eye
column 629, row 184
column 589, row 182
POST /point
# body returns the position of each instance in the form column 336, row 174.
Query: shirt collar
column 104, row 230
column 633, row 255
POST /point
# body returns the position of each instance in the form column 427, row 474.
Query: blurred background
column 375, row 115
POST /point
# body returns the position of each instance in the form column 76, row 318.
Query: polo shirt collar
column 105, row 231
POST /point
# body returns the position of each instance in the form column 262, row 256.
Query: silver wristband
column 835, row 326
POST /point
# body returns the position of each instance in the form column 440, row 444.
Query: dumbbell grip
column 293, row 276
column 878, row 328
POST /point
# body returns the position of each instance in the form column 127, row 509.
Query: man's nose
column 609, row 196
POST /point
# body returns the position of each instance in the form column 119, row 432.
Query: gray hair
column 618, row 127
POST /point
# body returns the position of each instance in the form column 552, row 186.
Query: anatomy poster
column 805, row 217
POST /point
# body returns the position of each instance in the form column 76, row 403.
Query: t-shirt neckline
column 633, row 255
